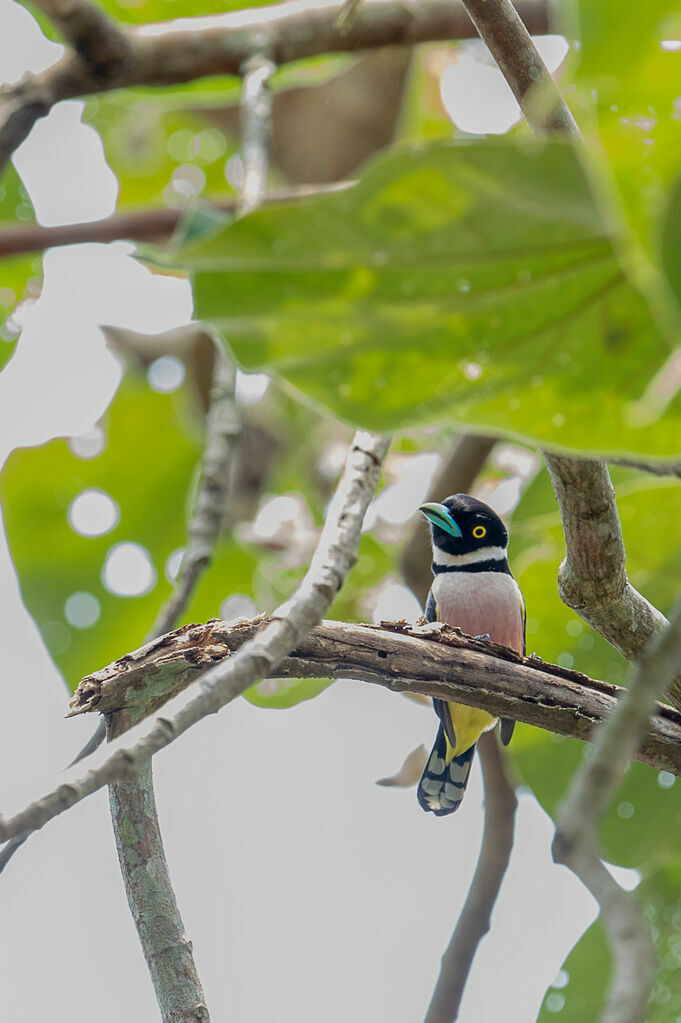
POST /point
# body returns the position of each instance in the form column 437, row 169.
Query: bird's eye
column 479, row 532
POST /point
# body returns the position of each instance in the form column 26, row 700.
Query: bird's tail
column 443, row 784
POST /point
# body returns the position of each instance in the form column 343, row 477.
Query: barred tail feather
column 443, row 784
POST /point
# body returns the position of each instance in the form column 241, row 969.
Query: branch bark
column 152, row 901
column 187, row 49
column 495, row 853
column 592, row 579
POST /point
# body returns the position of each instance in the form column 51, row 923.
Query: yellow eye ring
column 479, row 532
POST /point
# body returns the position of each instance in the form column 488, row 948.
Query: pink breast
column 482, row 603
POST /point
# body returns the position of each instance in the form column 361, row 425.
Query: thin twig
column 332, row 560
column 188, row 49
column 592, row 787
column 495, row 853
column 223, row 427
column 135, row 225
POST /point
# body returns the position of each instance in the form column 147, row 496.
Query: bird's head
column 462, row 524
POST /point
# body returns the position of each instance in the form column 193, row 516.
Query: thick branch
column 432, row 659
column 593, row 579
column 103, row 47
column 495, row 853
column 331, row 562
column 187, row 49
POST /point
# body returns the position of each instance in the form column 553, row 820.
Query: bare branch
column 187, row 49
column 457, row 475
column 502, row 30
column 495, row 853
column 429, row 658
column 590, row 793
column 333, row 558
column 102, row 45
column 152, row 901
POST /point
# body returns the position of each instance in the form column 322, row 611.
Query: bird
column 473, row 589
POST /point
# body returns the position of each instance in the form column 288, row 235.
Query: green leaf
column 461, row 280
column 587, row 968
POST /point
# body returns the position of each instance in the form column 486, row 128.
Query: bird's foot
column 536, row 657
column 484, row 636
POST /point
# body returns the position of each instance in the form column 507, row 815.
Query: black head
column 462, row 524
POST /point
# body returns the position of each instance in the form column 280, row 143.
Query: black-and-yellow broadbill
column 473, row 589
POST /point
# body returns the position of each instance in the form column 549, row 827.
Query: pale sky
column 309, row 892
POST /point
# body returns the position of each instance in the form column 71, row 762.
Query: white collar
column 441, row 557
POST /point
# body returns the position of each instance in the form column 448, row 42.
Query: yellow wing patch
column 469, row 723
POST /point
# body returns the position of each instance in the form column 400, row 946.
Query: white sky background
column 309, row 893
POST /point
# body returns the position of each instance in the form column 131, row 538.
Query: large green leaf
column 583, row 983
column 643, row 827
column 468, row 281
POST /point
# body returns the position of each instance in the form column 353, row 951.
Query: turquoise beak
column 439, row 516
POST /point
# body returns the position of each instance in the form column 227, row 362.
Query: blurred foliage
column 20, row 276
column 160, row 154
column 628, row 73
column 472, row 277
column 584, row 978
column 478, row 281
